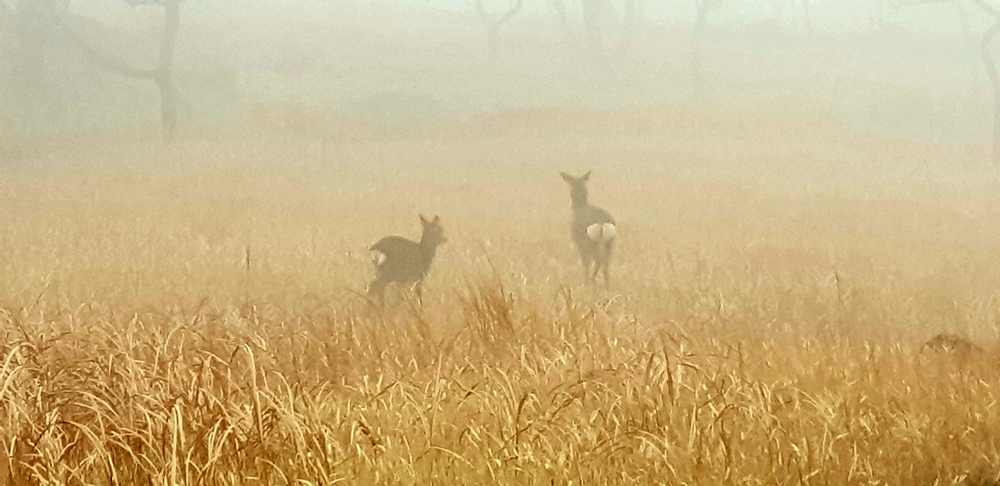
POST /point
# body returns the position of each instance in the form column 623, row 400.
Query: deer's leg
column 418, row 288
column 607, row 248
column 607, row 262
column 587, row 276
column 376, row 289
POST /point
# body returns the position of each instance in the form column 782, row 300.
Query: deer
column 593, row 230
column 952, row 343
column 403, row 261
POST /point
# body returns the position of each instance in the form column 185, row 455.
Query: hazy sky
column 827, row 15
column 426, row 58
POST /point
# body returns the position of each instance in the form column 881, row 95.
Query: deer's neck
column 428, row 252
column 579, row 201
column 428, row 249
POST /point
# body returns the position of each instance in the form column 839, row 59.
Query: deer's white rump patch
column 378, row 257
column 602, row 231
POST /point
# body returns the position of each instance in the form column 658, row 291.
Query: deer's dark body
column 593, row 230
column 402, row 261
column 952, row 343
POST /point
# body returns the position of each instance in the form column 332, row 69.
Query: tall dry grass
column 196, row 316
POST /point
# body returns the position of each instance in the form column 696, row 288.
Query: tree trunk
column 32, row 34
column 32, row 22
column 974, row 86
column 493, row 26
column 165, row 76
column 560, row 6
column 697, row 35
column 808, row 19
column 991, row 71
column 591, row 10
column 628, row 27
column 492, row 44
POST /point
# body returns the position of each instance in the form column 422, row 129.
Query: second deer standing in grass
column 400, row 260
column 593, row 229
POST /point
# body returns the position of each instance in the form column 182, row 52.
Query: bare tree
column 808, row 18
column 628, row 28
column 162, row 75
column 32, row 24
column 594, row 12
column 493, row 23
column 988, row 62
column 560, row 7
column 780, row 7
column 991, row 71
column 704, row 7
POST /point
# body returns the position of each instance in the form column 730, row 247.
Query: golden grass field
column 196, row 314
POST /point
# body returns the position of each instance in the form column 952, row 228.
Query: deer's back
column 399, row 259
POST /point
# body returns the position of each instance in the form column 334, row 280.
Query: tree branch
column 991, row 71
column 990, row 9
column 704, row 7
column 560, row 8
column 898, row 4
column 628, row 26
column 492, row 23
column 162, row 75
column 493, row 26
column 168, row 93
column 100, row 61
column 809, row 25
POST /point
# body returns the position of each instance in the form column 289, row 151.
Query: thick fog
column 499, row 241
column 889, row 67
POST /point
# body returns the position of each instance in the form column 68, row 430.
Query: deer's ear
column 568, row 178
column 437, row 219
column 585, row 177
column 424, row 221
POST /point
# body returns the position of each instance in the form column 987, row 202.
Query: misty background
column 326, row 74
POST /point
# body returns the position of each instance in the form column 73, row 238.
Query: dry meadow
column 196, row 313
column 206, row 323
